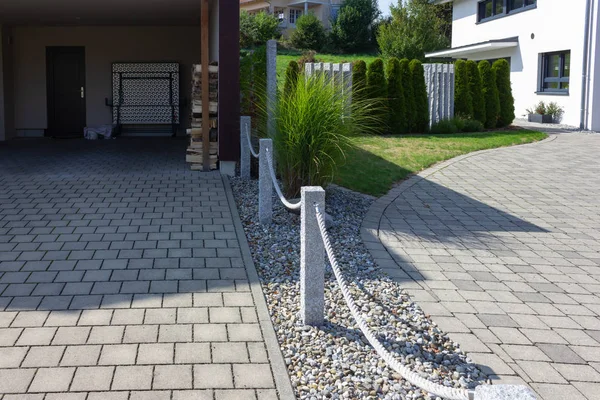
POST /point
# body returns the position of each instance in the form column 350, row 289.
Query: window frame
column 544, row 78
column 506, row 9
column 297, row 14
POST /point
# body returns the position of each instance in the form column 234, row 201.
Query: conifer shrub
column 396, row 100
column 359, row 80
column 501, row 70
column 407, row 89
column 376, row 90
column 475, row 90
column 291, row 78
column 490, row 94
column 420, row 96
column 463, row 102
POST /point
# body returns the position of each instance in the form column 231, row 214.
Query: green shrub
column 312, row 127
column 359, row 80
column 256, row 29
column 377, row 86
column 309, row 56
column 501, row 69
column 352, row 29
column 475, row 91
column 459, row 123
column 444, row 127
column 490, row 94
column 463, row 103
column 556, row 111
column 407, row 89
column 472, row 125
column 291, row 78
column 396, row 100
column 253, row 83
column 309, row 33
column 420, row 95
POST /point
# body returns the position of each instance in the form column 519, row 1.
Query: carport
column 57, row 61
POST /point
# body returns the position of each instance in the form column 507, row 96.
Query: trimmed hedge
column 397, row 102
column 476, row 91
column 377, row 88
column 407, row 88
column 291, row 78
column 420, row 96
column 490, row 94
column 501, row 70
column 463, row 102
column 359, row 80
column 309, row 33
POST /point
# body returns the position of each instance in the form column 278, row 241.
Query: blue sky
column 384, row 6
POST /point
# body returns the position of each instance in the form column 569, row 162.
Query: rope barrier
column 255, row 155
column 412, row 377
column 291, row 206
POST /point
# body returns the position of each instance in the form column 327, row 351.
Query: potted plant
column 539, row 113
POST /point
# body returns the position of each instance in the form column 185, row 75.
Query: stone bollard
column 245, row 135
column 265, row 183
column 504, row 392
column 312, row 258
column 271, row 85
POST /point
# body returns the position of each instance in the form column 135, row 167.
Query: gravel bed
column 335, row 361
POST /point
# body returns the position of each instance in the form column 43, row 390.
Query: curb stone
column 278, row 367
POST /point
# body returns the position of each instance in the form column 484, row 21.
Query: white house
column 552, row 46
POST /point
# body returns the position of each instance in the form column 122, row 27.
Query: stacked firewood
column 195, row 149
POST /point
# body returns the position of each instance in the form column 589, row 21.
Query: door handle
column 82, row 93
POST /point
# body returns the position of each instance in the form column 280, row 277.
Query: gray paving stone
column 213, row 376
column 252, row 376
column 172, row 377
column 132, row 378
column 122, row 354
column 52, row 380
column 15, row 380
column 92, row 379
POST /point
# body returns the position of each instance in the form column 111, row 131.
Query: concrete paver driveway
column 122, row 277
column 502, row 248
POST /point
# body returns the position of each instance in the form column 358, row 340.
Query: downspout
column 585, row 72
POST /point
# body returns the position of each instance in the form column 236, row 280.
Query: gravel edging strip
column 278, row 368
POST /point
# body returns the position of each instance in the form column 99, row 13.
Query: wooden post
column 205, row 60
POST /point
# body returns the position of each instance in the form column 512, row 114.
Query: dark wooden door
column 65, row 70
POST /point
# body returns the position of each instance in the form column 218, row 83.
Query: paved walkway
column 502, row 248
column 123, row 275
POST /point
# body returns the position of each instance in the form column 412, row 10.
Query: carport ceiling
column 100, row 12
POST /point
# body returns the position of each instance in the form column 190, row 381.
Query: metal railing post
column 312, row 258
column 245, row 135
column 265, row 183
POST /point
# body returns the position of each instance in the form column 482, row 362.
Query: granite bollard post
column 271, row 84
column 245, row 135
column 312, row 257
column 265, row 183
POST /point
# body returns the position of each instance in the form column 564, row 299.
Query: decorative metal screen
column 145, row 93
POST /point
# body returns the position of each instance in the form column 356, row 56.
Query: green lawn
column 375, row 163
column 284, row 58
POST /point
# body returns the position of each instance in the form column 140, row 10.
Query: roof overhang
column 462, row 51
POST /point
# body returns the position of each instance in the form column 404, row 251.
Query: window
column 555, row 72
column 294, row 15
column 335, row 10
column 489, row 9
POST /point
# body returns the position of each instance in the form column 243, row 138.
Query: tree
column 376, row 89
column 352, row 29
column 407, row 89
column 415, row 29
column 501, row 70
column 256, row 29
column 309, row 33
column 420, row 94
column 359, row 80
column 291, row 78
column 490, row 94
column 475, row 91
column 463, row 102
column 396, row 100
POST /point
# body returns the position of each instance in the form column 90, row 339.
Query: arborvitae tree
column 359, row 80
column 291, row 78
column 501, row 70
column 490, row 94
column 463, row 103
column 420, row 94
column 407, row 89
column 377, row 88
column 476, row 91
column 397, row 106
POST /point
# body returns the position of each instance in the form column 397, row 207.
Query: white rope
column 255, row 155
column 291, row 206
column 438, row 390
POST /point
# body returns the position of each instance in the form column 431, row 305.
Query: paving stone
column 233, row 394
column 155, row 353
column 192, row 353
column 106, row 335
column 252, row 376
column 524, row 352
column 132, row 378
column 141, row 334
column 122, row 354
column 541, row 372
column 80, row 356
column 172, row 377
column 71, row 335
column 229, row 353
column 15, row 380
column 33, row 336
column 573, row 372
column 11, row 357
column 213, row 376
column 43, row 356
column 561, row 353
column 92, row 379
column 193, row 395
column 558, row 392
column 52, row 380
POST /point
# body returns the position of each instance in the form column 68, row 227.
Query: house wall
column 555, row 25
column 7, row 120
column 103, row 45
